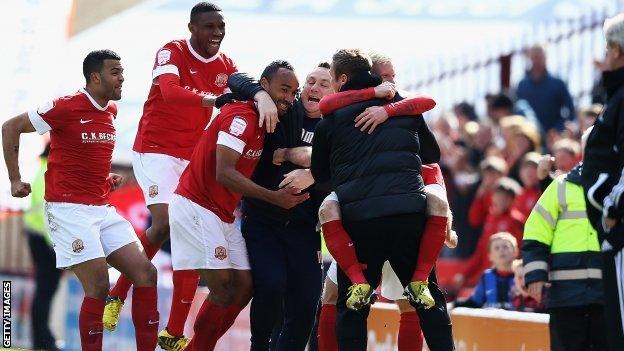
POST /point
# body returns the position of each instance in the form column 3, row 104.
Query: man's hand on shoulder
column 371, row 118
column 267, row 111
column 385, row 90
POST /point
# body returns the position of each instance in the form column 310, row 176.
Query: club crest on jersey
column 164, row 56
column 221, row 80
column 220, row 253
column 153, row 191
column 238, row 126
column 77, row 246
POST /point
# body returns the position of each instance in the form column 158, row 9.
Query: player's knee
column 150, row 275
column 145, row 274
column 244, row 293
column 329, row 211
column 437, row 206
column 98, row 289
column 223, row 294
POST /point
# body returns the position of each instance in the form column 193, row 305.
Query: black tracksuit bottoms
column 287, row 277
column 577, row 328
column 395, row 239
column 47, row 278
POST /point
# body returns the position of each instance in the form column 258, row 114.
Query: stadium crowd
column 504, row 193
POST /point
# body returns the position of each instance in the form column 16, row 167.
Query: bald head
column 537, row 56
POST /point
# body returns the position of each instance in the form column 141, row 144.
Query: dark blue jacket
column 550, row 100
column 493, row 290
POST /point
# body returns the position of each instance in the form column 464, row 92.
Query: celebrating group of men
column 375, row 179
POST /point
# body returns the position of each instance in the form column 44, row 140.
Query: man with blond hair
column 370, row 210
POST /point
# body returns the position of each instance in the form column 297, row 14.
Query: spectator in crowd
column 465, row 113
column 588, row 116
column 499, row 106
column 548, row 96
column 462, row 181
column 530, row 184
column 492, row 169
column 495, row 285
column 520, row 298
column 521, row 137
column 561, row 249
column 566, row 154
column 602, row 179
column 501, row 216
column 47, row 276
column 502, row 105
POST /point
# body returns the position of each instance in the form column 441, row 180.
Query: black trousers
column 287, row 276
column 577, row 328
column 613, row 282
column 47, row 278
column 395, row 239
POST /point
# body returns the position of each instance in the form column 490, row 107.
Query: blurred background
column 470, row 55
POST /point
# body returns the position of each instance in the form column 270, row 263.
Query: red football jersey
column 174, row 129
column 432, row 174
column 82, row 138
column 236, row 127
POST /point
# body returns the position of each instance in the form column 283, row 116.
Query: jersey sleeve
column 236, row 130
column 47, row 116
column 168, row 60
column 231, row 66
column 332, row 102
column 414, row 106
column 231, row 69
column 432, row 174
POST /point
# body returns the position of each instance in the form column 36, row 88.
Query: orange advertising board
column 496, row 330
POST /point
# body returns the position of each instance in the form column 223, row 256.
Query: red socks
column 327, row 329
column 211, row 323
column 123, row 284
column 145, row 317
column 410, row 335
column 184, row 287
column 341, row 248
column 430, row 246
column 90, row 324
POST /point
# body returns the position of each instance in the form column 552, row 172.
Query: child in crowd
column 520, row 298
column 501, row 217
column 496, row 284
column 530, row 192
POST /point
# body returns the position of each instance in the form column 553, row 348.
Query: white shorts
column 201, row 240
column 437, row 190
column 81, row 233
column 332, row 272
column 158, row 175
column 331, row 197
column 391, row 287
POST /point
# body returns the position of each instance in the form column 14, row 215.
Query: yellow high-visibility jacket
column 561, row 246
